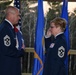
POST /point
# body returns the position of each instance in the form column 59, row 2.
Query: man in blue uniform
column 9, row 54
column 57, row 50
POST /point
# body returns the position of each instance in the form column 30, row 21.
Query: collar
column 58, row 34
column 9, row 23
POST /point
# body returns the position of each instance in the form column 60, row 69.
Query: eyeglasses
column 52, row 26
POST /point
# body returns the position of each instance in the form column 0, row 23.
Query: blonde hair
column 59, row 22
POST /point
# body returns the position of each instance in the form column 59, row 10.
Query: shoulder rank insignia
column 61, row 51
column 7, row 41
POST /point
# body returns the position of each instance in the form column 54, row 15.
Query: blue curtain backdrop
column 39, row 52
column 65, row 15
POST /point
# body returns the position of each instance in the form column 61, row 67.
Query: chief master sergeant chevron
column 9, row 54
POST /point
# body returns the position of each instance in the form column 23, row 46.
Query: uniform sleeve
column 8, row 44
column 62, row 49
column 48, row 41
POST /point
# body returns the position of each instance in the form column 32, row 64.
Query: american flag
column 19, row 39
column 17, row 5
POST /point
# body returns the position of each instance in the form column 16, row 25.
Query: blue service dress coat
column 55, row 57
column 9, row 55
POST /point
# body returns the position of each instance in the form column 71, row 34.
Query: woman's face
column 54, row 29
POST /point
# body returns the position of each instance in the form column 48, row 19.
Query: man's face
column 16, row 17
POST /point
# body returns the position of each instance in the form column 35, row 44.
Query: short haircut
column 59, row 22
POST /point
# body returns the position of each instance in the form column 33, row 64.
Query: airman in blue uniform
column 9, row 55
column 57, row 50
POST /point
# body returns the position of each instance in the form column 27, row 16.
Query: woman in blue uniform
column 9, row 53
column 57, row 49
